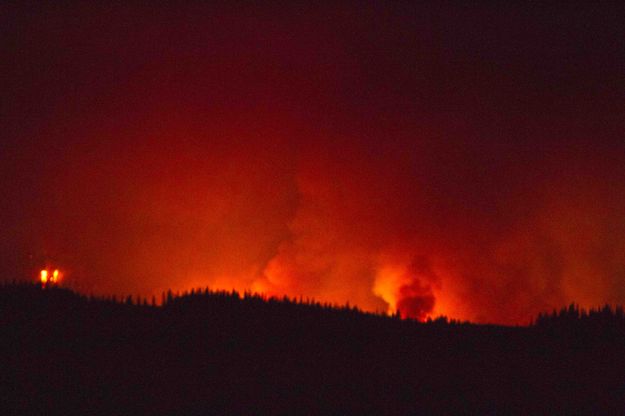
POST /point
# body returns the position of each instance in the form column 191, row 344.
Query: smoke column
column 427, row 159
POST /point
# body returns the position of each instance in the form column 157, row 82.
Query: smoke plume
column 395, row 157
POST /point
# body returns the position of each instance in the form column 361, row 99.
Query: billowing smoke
column 399, row 158
column 416, row 298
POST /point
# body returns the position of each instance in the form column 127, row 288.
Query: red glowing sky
column 439, row 159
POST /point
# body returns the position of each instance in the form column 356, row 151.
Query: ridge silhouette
column 207, row 352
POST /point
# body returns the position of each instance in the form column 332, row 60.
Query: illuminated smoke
column 416, row 299
column 418, row 166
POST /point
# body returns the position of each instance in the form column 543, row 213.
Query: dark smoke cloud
column 416, row 298
column 435, row 159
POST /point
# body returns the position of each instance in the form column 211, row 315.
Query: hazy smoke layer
column 390, row 157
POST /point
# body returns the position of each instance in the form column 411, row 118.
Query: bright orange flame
column 44, row 276
column 387, row 280
column 55, row 276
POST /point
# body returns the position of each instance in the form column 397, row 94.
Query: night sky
column 441, row 158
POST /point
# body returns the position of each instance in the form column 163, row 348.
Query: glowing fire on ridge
column 46, row 278
column 412, row 288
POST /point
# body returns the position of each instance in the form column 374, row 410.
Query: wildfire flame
column 408, row 289
column 46, row 278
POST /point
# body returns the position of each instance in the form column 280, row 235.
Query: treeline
column 176, row 300
column 572, row 314
column 209, row 352
column 575, row 315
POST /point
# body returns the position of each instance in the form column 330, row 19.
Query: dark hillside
column 220, row 353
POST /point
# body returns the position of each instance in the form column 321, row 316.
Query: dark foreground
column 220, row 354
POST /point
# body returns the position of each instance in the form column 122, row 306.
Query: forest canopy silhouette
column 207, row 352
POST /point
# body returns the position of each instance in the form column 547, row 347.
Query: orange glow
column 407, row 290
column 385, row 286
column 49, row 278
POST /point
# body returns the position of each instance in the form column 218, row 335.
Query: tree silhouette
column 215, row 352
